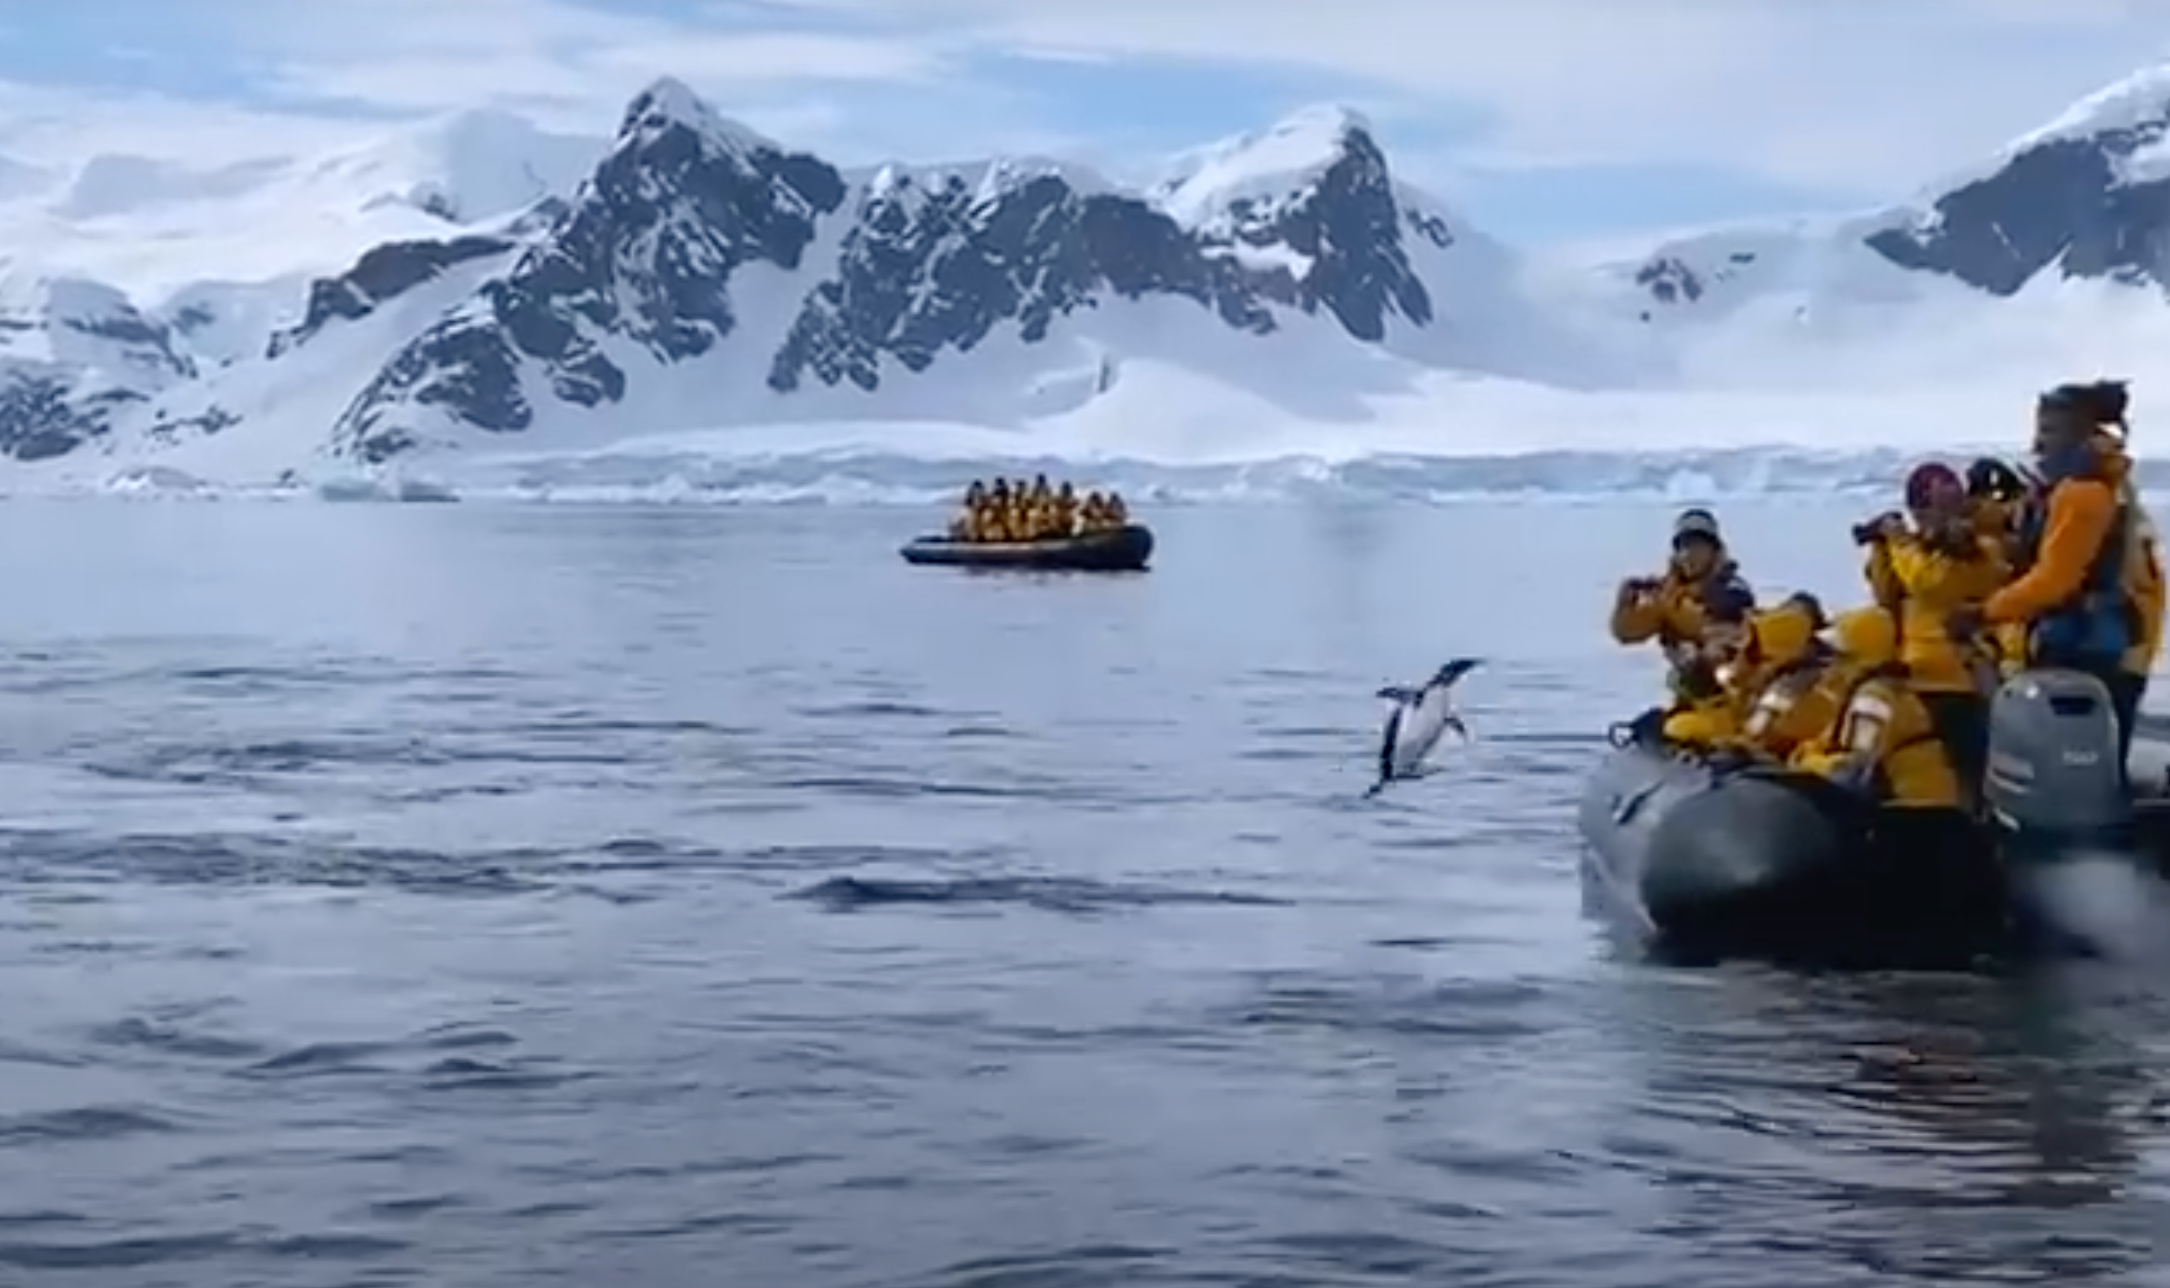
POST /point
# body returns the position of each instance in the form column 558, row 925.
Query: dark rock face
column 1349, row 225
column 384, row 273
column 44, row 416
column 645, row 254
column 924, row 263
column 925, row 270
column 113, row 359
column 929, row 266
column 1669, row 280
column 2061, row 203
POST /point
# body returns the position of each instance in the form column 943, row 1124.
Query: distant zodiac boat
column 1124, row 549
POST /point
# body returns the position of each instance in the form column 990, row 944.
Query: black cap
column 1696, row 523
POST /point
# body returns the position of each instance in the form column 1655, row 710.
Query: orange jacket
column 2082, row 512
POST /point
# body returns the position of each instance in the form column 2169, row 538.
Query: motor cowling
column 2053, row 774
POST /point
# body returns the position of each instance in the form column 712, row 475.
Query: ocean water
column 481, row 897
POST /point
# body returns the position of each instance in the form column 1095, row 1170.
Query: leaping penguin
column 1421, row 716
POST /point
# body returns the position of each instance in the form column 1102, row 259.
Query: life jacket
column 1718, row 595
column 2101, row 621
column 1835, row 742
column 1781, row 690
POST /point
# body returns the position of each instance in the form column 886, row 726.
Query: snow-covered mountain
column 707, row 274
column 484, row 283
column 2043, row 253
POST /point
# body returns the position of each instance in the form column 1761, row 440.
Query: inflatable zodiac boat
column 1749, row 858
column 1124, row 549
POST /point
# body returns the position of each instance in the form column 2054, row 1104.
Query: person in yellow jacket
column 1924, row 569
column 1696, row 611
column 965, row 527
column 1797, row 693
column 1750, row 705
column 1066, row 510
column 1881, row 741
column 1999, row 497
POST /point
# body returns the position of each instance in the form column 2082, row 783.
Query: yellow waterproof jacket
column 1703, row 723
column 1679, row 611
column 1757, row 689
column 1785, row 699
column 1881, row 733
column 1924, row 584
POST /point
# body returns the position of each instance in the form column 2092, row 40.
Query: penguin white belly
column 1418, row 729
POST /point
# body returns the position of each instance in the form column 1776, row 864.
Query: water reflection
column 1838, row 1124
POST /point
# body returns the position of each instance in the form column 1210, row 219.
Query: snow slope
column 476, row 299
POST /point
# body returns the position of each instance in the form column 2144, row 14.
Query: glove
column 1856, row 778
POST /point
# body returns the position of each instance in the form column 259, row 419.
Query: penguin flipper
column 1455, row 670
column 1401, row 693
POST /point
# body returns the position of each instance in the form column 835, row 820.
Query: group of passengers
column 1979, row 577
column 1013, row 510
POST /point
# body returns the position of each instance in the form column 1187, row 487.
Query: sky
column 1546, row 121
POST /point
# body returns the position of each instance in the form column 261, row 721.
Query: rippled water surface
column 473, row 897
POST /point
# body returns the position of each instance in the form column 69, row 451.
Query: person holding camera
column 2001, row 498
column 1696, row 611
column 1926, row 567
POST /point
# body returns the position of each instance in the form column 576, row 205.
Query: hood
column 1866, row 635
column 1783, row 635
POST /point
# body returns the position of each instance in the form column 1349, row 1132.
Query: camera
column 1876, row 529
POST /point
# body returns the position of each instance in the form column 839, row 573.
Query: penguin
column 1421, row 716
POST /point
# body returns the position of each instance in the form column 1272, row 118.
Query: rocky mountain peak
column 2087, row 195
column 918, row 262
column 642, row 257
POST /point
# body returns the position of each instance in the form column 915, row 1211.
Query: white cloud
column 856, row 92
column 1849, row 99
column 1851, row 96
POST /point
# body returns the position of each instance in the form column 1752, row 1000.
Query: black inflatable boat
column 1746, row 859
column 1124, row 549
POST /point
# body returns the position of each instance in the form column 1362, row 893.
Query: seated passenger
column 1092, row 516
column 1065, row 510
column 1881, row 743
column 1001, row 513
column 1749, row 705
column 1118, row 514
column 1786, row 694
column 966, row 523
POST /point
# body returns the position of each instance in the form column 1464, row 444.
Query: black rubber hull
column 1746, row 863
column 1126, row 549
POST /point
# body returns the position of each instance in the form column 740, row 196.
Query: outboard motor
column 2054, row 785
